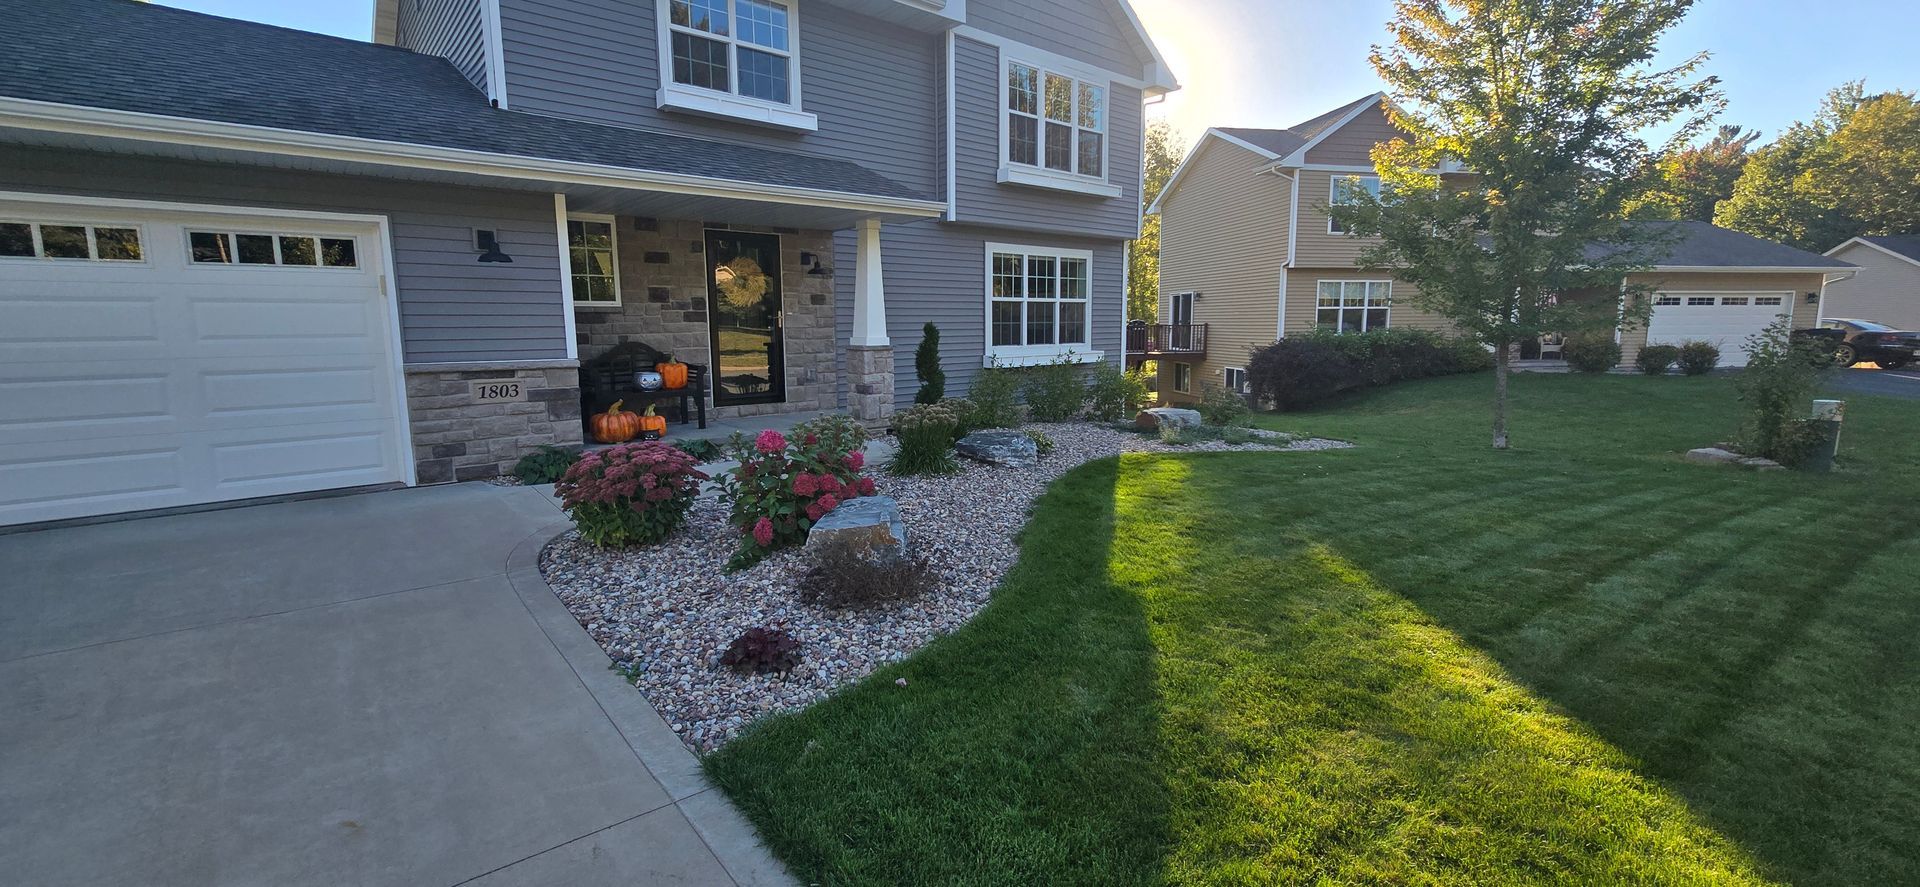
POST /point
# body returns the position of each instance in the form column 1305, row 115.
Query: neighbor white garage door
column 1725, row 319
column 152, row 358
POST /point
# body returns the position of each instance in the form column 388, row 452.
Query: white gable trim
column 1861, row 241
column 1180, row 172
column 1299, row 155
column 1159, row 77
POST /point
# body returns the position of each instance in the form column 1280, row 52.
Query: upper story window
column 1054, row 130
column 1346, row 192
column 1353, row 306
column 733, row 58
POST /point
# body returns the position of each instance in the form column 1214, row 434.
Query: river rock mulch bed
column 666, row 612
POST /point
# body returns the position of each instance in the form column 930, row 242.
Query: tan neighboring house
column 1248, row 255
column 1887, row 288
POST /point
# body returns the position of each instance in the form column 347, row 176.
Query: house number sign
column 499, row 391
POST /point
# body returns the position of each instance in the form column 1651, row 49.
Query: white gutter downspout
column 1293, row 233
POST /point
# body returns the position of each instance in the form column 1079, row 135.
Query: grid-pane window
column 1036, row 297
column 1347, row 190
column 1055, row 121
column 1353, row 306
column 260, row 248
column 99, row 243
column 744, row 47
column 594, row 260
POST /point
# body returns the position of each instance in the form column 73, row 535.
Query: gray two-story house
column 241, row 261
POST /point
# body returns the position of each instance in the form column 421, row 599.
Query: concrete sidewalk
column 372, row 689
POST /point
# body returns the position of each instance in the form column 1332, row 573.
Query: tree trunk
column 1501, row 354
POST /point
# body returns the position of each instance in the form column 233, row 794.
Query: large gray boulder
column 1712, row 455
column 1009, row 448
column 1160, row 417
column 870, row 524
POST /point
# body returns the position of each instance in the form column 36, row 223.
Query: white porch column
column 869, row 351
column 869, row 288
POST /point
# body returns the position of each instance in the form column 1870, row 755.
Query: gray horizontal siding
column 452, row 307
column 1092, row 31
column 984, row 200
column 450, row 29
column 936, row 272
column 872, row 84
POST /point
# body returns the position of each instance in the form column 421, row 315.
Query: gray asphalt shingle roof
column 1905, row 244
column 1699, row 244
column 1286, row 141
column 126, row 56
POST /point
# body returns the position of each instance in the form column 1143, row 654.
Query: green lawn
column 1416, row 662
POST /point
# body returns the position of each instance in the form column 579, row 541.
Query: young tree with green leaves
column 1163, row 153
column 926, row 367
column 1526, row 120
column 1854, row 169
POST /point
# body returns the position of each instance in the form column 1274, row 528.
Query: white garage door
column 152, row 358
column 1725, row 319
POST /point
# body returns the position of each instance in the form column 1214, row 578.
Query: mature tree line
column 1163, row 153
column 1853, row 169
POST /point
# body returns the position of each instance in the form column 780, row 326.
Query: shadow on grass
column 1021, row 751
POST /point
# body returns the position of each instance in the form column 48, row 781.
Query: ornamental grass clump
column 633, row 494
column 783, row 487
column 925, row 434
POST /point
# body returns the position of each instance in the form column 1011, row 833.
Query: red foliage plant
column 630, row 494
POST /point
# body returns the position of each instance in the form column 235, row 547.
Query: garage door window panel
column 283, row 250
column 69, row 241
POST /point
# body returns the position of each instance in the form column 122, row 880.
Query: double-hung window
column 1037, row 303
column 1346, row 192
column 1055, row 126
column 1353, row 306
column 594, row 260
column 733, row 58
column 1237, row 380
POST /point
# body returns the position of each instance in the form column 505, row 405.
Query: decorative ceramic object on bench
column 649, row 380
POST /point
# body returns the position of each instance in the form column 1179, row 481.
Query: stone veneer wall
column 663, row 296
column 455, row 439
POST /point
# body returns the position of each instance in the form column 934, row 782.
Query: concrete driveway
column 1885, row 383
column 372, row 689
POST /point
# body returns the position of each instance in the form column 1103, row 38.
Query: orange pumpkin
column 651, row 422
column 672, row 372
column 616, row 425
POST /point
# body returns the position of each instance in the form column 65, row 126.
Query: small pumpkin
column 616, row 425
column 673, row 372
column 651, row 422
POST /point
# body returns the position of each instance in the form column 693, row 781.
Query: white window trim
column 1333, row 195
column 1226, row 377
column 732, row 105
column 1039, row 176
column 93, row 246
column 1177, row 387
column 566, row 239
column 1317, row 283
column 1035, row 355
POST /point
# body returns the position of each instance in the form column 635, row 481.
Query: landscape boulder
column 1160, row 417
column 1011, row 449
column 870, row 525
column 1712, row 454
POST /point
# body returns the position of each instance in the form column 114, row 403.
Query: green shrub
column 1042, row 444
column 1218, row 406
column 1055, row 392
column 1297, row 372
column 924, row 434
column 1778, row 386
column 1698, row 358
column 1115, row 395
column 545, row 465
column 994, row 395
column 632, row 494
column 1592, row 353
column 926, row 367
column 1304, row 369
column 832, row 433
column 783, row 486
column 1655, row 360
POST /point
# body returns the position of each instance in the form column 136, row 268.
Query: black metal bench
column 610, row 377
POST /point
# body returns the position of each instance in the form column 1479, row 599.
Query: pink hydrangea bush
column 633, row 494
column 786, row 485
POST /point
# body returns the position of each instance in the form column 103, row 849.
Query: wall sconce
column 813, row 265
column 488, row 243
column 1813, row 298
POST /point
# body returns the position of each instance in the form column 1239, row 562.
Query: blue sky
column 1278, row 62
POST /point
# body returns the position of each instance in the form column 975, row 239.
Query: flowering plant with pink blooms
column 632, row 494
column 786, row 483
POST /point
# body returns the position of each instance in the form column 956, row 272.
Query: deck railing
column 1154, row 339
